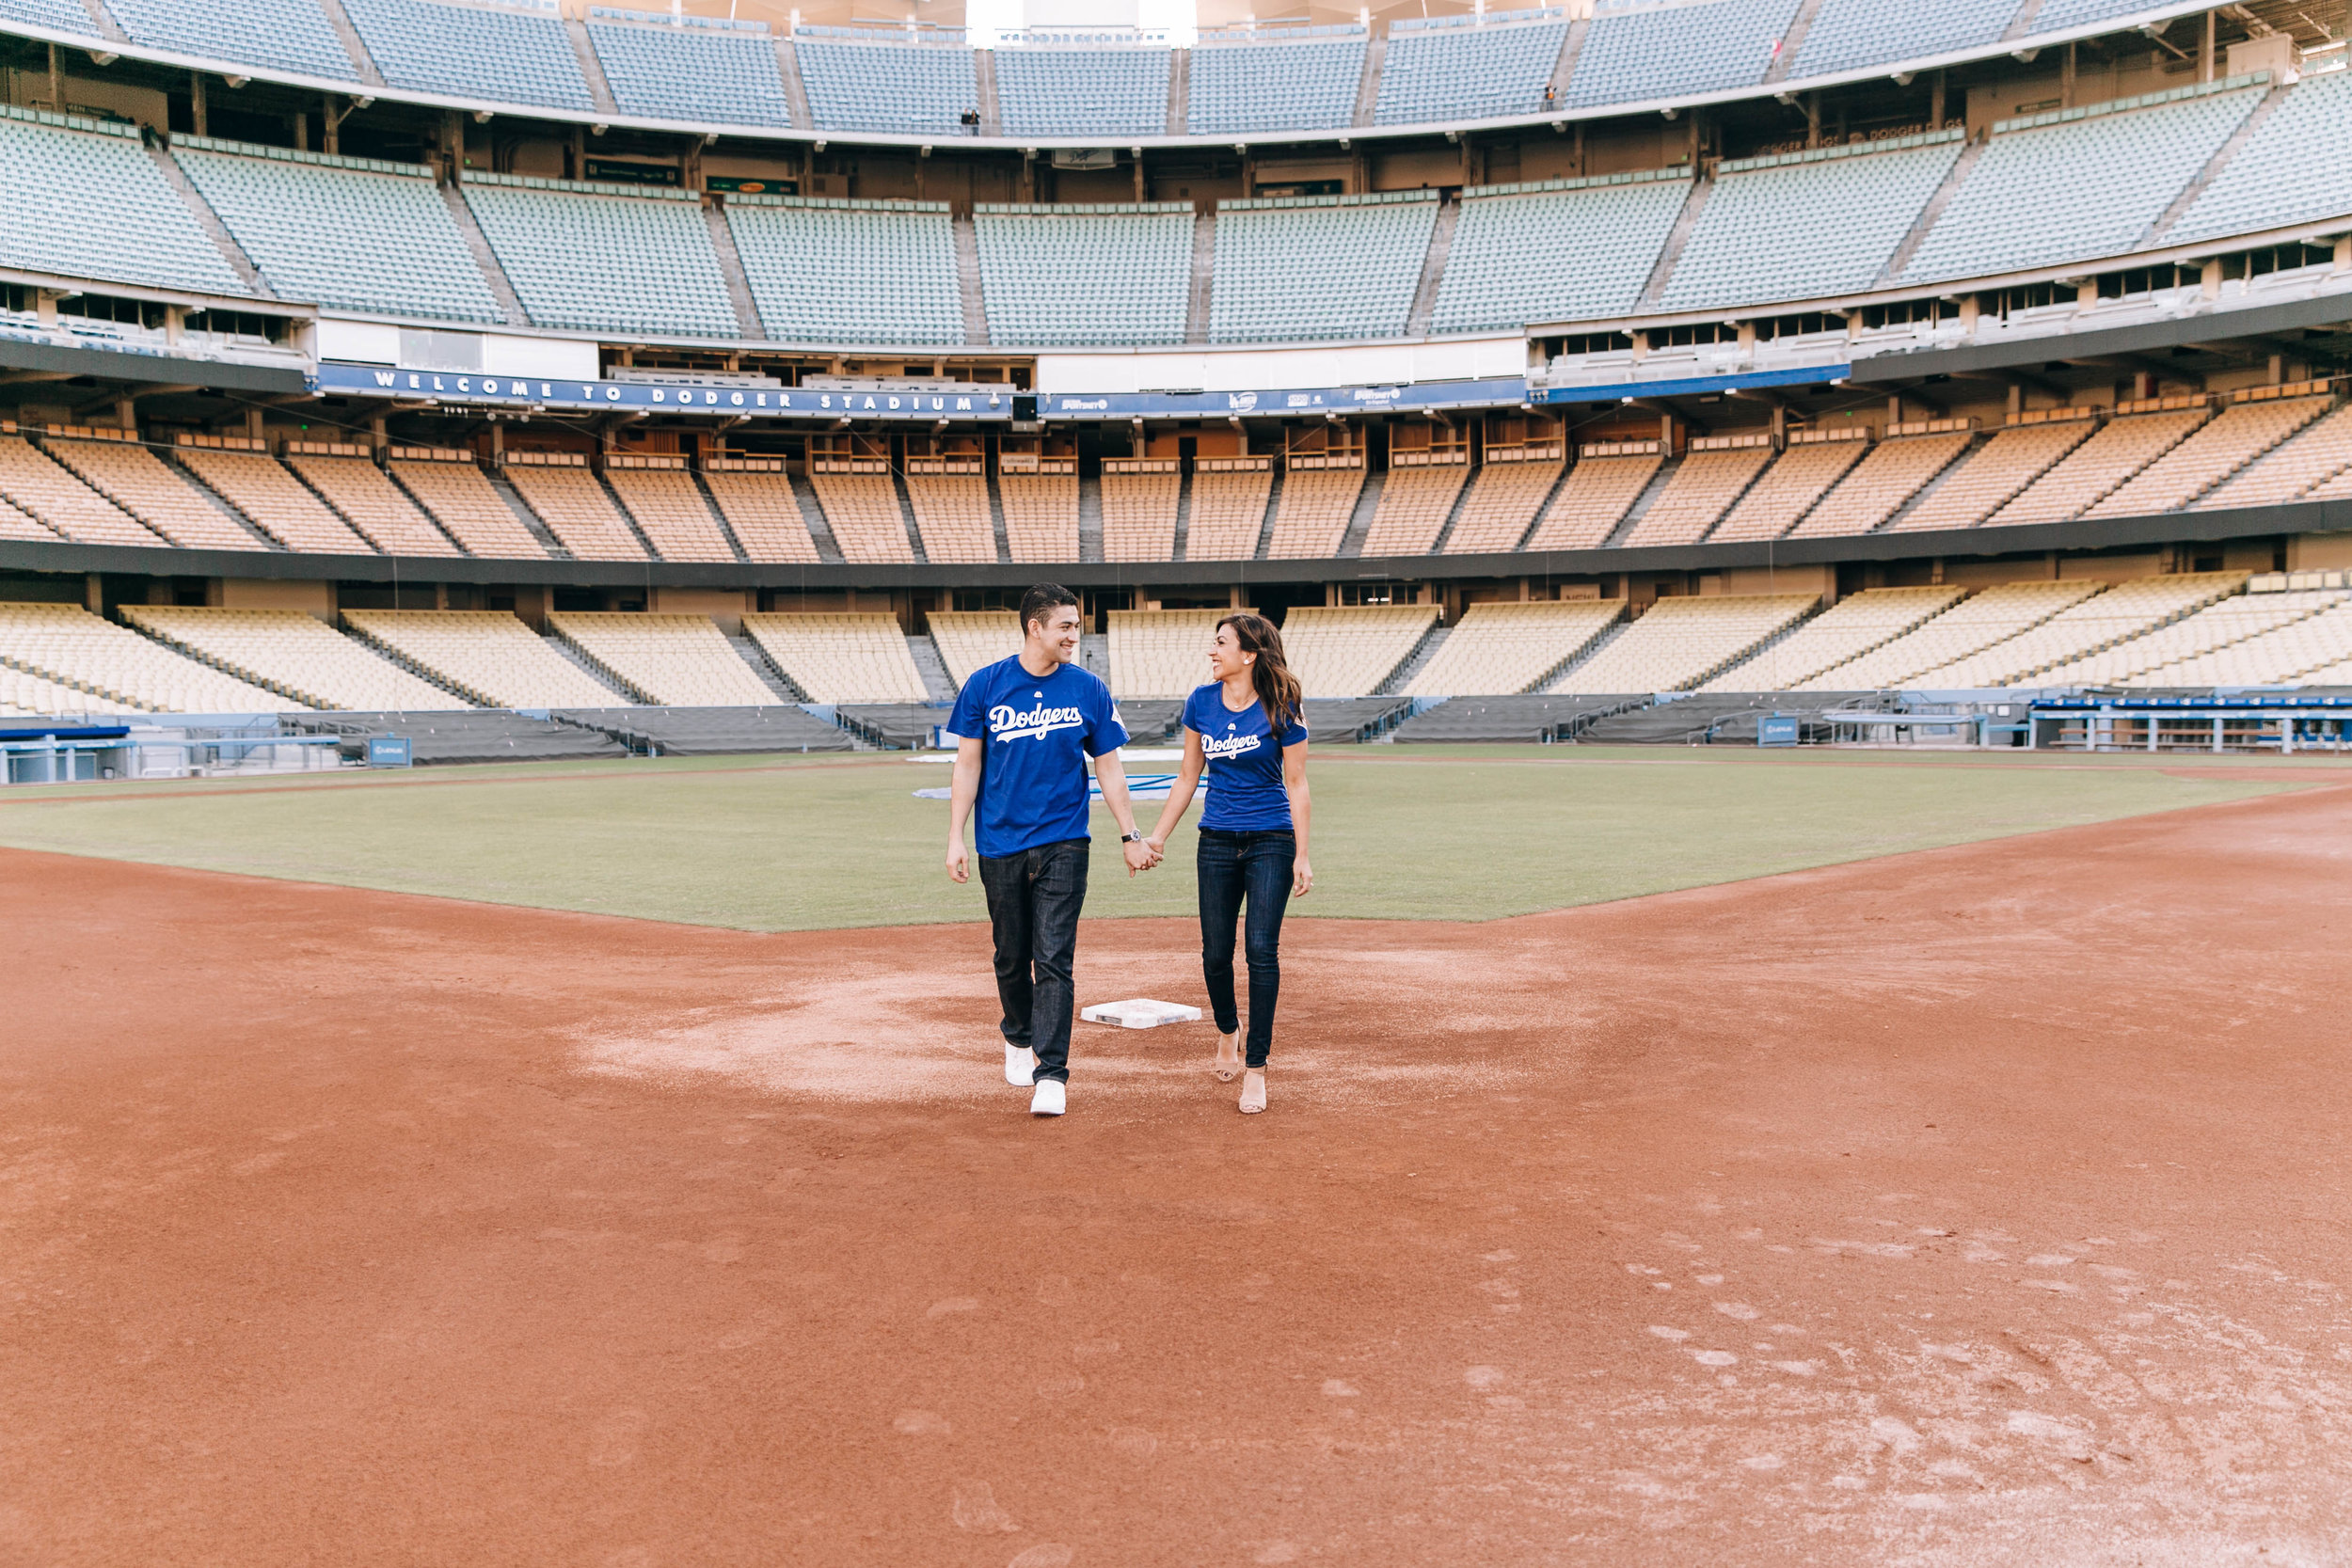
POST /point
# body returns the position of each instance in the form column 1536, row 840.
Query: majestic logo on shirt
column 1215, row 746
column 1007, row 724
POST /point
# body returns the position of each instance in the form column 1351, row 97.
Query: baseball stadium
column 1796, row 554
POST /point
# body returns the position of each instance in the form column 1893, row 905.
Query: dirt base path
column 1985, row 1205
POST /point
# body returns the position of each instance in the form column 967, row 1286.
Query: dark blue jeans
column 1251, row 869
column 1033, row 903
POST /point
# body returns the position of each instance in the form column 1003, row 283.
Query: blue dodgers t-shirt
column 1245, row 793
column 1035, row 733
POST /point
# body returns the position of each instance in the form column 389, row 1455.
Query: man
column 1024, row 727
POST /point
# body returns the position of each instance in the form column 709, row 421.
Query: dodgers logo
column 1215, row 746
column 1006, row 723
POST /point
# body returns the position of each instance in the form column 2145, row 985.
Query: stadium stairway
column 1424, row 651
column 775, row 679
column 1273, row 509
column 571, row 655
column 813, row 513
column 531, row 520
column 1183, row 540
column 711, row 732
column 1094, row 653
column 1360, row 521
column 933, row 669
column 1657, row 486
column 1089, row 514
column 1522, row 718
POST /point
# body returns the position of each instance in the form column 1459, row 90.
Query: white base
column 1140, row 1013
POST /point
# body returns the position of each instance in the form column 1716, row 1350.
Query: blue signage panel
column 1776, row 730
column 539, row 391
column 388, row 751
column 1809, row 375
column 1493, row 392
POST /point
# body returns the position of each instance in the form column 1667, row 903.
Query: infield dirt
column 1980, row 1205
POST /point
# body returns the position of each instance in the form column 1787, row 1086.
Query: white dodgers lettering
column 1215, row 746
column 1005, row 723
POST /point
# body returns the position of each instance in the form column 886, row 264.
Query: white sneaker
column 1020, row 1066
column 1050, row 1099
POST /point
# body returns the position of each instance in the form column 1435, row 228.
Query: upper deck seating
column 274, row 502
column 488, row 654
column 1082, row 92
column 1086, row 275
column 1227, row 515
column 972, row 640
column 1800, row 477
column 1581, row 250
column 863, row 512
column 62, row 16
column 2296, row 168
column 691, row 73
column 2099, row 465
column 849, row 272
column 1760, row 234
column 293, row 651
column 278, row 35
column 16, row 523
column 488, row 53
column 914, row 89
column 41, row 489
column 604, row 258
column 952, row 513
column 1161, row 653
column 1680, row 641
column 69, row 647
column 1321, row 266
column 2126, row 611
column 1592, row 501
column 86, row 201
column 841, row 657
column 143, row 484
column 1306, row 84
column 578, row 511
column 1701, row 491
column 1500, row 648
column 1414, row 506
column 1310, row 520
column 1847, row 35
column 372, row 504
column 2074, row 185
column 677, row 660
column 1975, row 623
column 670, row 511
column 1845, row 631
column 1350, row 650
column 1636, row 55
column 462, row 500
column 764, row 514
column 2310, row 459
column 361, row 234
column 1139, row 515
column 1040, row 516
column 1996, row 472
column 1499, row 68
column 1882, row 484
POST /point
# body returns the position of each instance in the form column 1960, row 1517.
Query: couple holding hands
column 1025, row 726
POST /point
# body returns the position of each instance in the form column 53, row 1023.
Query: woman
column 1251, row 722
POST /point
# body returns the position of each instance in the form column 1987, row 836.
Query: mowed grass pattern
column 770, row 845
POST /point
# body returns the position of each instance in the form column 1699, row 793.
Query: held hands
column 1141, row 855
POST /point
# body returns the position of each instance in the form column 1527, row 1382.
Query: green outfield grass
column 776, row 844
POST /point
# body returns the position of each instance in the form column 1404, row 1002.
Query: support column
column 253, row 423
column 2066, row 80
column 198, row 112
column 94, row 594
column 1935, row 101
column 56, row 83
column 2204, row 56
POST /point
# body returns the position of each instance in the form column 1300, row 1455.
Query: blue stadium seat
column 1301, row 268
column 1847, row 35
column 1562, row 250
column 1633, row 57
column 605, row 258
column 1455, row 72
column 692, row 73
column 86, row 201
column 1305, row 82
column 281, row 35
column 849, row 272
column 64, row 16
column 1086, row 275
column 2296, row 168
column 880, row 87
column 493, row 54
column 1077, row 92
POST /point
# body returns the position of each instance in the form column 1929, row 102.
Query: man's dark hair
column 1042, row 601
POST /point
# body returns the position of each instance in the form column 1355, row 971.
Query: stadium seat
column 604, row 258
column 1788, row 490
column 2238, row 436
column 849, row 272
column 693, row 73
column 490, row 53
column 38, row 488
column 2217, row 628
column 1501, row 507
column 67, row 173
column 1679, row 643
column 1414, row 506
column 1593, row 500
column 1310, row 519
column 1350, row 650
column 1977, row 622
column 1040, row 516
column 1452, row 72
column 2309, row 460
column 1086, row 275
column 863, row 512
column 372, row 504
column 1840, row 634
column 840, row 657
column 1161, row 653
column 577, row 510
column 914, row 89
column 1046, row 91
column 460, row 498
column 675, row 660
column 2311, row 646
column 1500, row 648
column 764, row 514
column 292, row 652
column 274, row 500
column 360, row 234
column 67, row 646
column 2120, row 449
column 1579, row 249
column 139, row 483
column 2128, row 610
column 63, row 16
column 972, row 640
column 1139, row 515
column 1847, row 35
column 1301, row 268
column 1701, row 491
column 2296, row 168
column 1306, row 82
column 1980, row 486
column 1881, row 484
column 1638, row 55
column 1228, row 514
column 276, row 35
column 488, row 654
column 671, row 513
column 952, row 513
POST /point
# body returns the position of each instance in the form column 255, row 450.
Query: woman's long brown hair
column 1277, row 689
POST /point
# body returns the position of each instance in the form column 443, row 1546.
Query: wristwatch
column 1130, row 839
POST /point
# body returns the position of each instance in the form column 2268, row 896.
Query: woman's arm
column 1302, row 815
column 1179, row 793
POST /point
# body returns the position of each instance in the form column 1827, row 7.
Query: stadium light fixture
column 1136, row 153
column 1560, row 127
column 598, row 130
column 482, row 117
column 102, row 57
column 710, row 139
column 821, row 146
column 1242, row 148
column 1786, row 100
column 1346, row 144
column 363, row 102
column 236, row 81
column 1670, row 113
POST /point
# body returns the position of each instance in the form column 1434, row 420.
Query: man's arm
column 962, row 790
column 1112, row 774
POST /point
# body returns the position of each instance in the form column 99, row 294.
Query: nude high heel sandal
column 1253, row 1091
column 1228, row 1056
